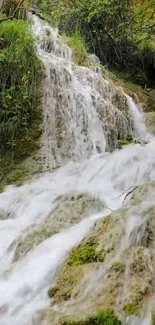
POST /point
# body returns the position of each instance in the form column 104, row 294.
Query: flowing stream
column 87, row 168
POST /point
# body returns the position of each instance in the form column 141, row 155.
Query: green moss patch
column 66, row 283
column 131, row 309
column 103, row 317
column 83, row 255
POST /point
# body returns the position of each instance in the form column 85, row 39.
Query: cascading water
column 73, row 97
column 138, row 121
column 80, row 115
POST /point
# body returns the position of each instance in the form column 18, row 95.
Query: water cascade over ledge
column 83, row 120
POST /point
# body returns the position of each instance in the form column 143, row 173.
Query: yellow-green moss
column 66, row 282
column 103, row 317
column 86, row 254
column 52, row 291
column 124, row 142
column 131, row 309
column 118, row 267
column 153, row 317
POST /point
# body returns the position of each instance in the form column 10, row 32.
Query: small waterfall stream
column 138, row 120
column 73, row 97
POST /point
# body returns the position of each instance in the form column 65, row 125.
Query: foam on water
column 23, row 285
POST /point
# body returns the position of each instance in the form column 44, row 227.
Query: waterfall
column 138, row 120
column 82, row 113
column 74, row 99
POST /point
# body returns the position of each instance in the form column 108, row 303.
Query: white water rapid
column 24, row 282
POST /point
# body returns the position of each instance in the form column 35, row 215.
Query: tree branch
column 14, row 13
column 130, row 192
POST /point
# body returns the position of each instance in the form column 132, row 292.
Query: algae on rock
column 103, row 317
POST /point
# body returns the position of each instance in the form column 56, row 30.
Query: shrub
column 80, row 56
column 120, row 32
column 20, row 79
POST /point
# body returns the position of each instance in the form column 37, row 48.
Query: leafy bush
column 20, row 79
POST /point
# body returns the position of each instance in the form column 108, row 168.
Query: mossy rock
column 141, row 192
column 103, row 317
column 86, row 259
column 74, row 206
column 139, row 94
column 67, row 283
column 153, row 317
column 126, row 281
column 17, row 175
column 124, row 142
column 84, row 255
column 150, row 121
column 118, row 267
column 14, row 170
column 52, row 291
column 70, row 209
column 31, row 238
column 131, row 309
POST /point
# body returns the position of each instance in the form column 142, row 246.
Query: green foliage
column 83, row 255
column 16, row 175
column 76, row 42
column 103, row 317
column 20, row 79
column 120, row 32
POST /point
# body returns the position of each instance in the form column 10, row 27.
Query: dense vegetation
column 19, row 72
column 20, row 89
column 120, row 32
